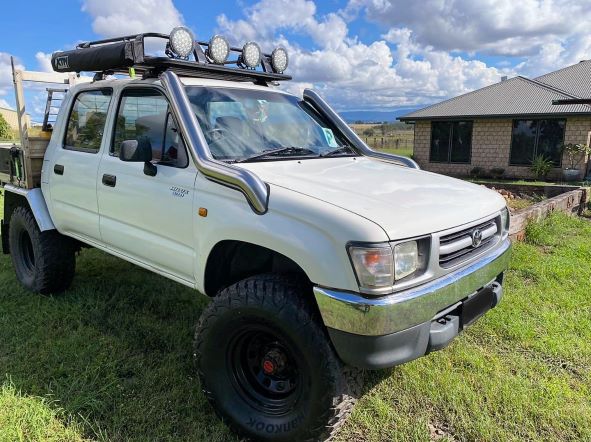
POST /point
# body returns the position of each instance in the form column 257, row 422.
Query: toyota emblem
column 476, row 238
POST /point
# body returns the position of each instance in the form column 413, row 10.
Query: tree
column 368, row 132
column 5, row 129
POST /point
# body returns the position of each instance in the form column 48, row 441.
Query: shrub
column 477, row 172
column 541, row 166
column 497, row 172
column 5, row 129
column 575, row 153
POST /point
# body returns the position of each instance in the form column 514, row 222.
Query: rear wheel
column 266, row 364
column 44, row 262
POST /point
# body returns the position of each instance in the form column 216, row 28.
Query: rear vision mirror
column 138, row 151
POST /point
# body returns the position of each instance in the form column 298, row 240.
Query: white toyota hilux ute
column 320, row 256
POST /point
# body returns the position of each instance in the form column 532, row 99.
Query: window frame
column 538, row 120
column 450, row 145
column 71, row 109
column 168, row 112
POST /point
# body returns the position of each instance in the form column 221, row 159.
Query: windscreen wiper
column 338, row 150
column 288, row 150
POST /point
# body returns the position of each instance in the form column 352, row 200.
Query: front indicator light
column 374, row 266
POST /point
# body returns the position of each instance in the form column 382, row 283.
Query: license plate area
column 476, row 306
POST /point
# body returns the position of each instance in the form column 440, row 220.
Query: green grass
column 529, row 182
column 111, row 359
column 403, row 152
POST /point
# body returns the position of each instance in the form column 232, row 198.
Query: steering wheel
column 217, row 135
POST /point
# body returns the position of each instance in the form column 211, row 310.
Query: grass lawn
column 529, row 182
column 403, row 152
column 111, row 359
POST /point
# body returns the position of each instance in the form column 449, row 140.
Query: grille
column 458, row 247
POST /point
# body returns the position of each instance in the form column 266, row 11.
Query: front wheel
column 266, row 364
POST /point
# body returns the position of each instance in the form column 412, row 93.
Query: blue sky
column 360, row 54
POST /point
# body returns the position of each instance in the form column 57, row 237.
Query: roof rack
column 118, row 55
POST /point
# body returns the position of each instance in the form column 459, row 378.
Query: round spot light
column 279, row 60
column 218, row 49
column 251, row 54
column 182, row 42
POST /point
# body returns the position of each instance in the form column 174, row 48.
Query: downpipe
column 322, row 106
column 254, row 189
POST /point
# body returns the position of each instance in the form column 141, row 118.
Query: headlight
column 505, row 221
column 374, row 266
column 406, row 259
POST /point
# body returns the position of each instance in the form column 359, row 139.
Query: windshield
column 243, row 124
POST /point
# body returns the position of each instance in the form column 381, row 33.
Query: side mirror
column 138, row 151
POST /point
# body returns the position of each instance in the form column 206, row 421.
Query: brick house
column 506, row 125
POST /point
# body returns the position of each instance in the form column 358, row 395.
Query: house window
column 532, row 138
column 451, row 142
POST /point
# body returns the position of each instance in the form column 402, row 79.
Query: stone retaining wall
column 571, row 202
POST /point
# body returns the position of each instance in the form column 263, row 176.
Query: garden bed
column 529, row 203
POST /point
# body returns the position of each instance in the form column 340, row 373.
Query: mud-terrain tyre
column 267, row 366
column 44, row 262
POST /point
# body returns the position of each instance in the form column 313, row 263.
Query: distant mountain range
column 373, row 116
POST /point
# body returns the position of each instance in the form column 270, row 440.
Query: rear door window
column 86, row 123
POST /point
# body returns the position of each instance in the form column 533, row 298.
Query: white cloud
column 550, row 34
column 112, row 18
column 391, row 72
column 6, row 85
column 44, row 61
column 506, row 27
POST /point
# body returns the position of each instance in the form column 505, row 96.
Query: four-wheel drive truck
column 320, row 256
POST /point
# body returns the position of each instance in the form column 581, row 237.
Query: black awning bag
column 95, row 58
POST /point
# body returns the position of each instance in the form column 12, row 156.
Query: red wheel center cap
column 268, row 367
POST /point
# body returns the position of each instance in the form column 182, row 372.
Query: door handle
column 109, row 180
column 58, row 169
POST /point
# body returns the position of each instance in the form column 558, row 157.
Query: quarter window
column 451, row 142
column 532, row 138
column 144, row 116
column 86, row 123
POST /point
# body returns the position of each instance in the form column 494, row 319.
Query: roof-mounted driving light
column 279, row 60
column 251, row 55
column 218, row 49
column 182, row 42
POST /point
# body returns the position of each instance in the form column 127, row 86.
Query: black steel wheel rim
column 264, row 370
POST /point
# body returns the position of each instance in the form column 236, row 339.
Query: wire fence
column 389, row 142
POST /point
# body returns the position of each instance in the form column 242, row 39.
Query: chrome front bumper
column 356, row 314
